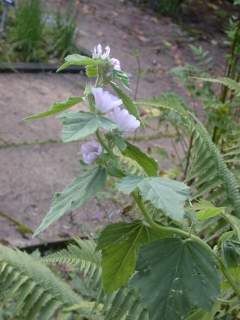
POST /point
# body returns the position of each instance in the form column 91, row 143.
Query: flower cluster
column 109, row 104
column 99, row 54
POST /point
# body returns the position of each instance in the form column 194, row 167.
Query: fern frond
column 207, row 169
column 227, row 82
column 124, row 304
column 81, row 255
column 38, row 292
column 81, row 251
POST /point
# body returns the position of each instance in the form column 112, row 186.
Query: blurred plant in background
column 26, row 35
column 33, row 35
column 63, row 33
column 220, row 106
column 167, row 7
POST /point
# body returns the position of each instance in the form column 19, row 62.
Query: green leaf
column 165, row 194
column 78, row 125
column 119, row 244
column 149, row 165
column 78, row 60
column 91, row 71
column 206, row 210
column 175, row 276
column 234, row 222
column 200, row 315
column 56, row 108
column 116, row 138
column 234, row 272
column 74, row 196
column 127, row 101
column 231, row 253
column 122, row 77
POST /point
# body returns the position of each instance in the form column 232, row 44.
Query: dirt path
column 33, row 164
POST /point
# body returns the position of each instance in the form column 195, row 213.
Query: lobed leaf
column 175, row 276
column 165, row 194
column 78, row 125
column 119, row 244
column 78, row 60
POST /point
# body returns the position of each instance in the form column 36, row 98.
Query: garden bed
column 46, row 35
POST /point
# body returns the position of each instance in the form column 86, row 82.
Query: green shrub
column 27, row 33
column 64, row 34
column 35, row 35
column 167, row 7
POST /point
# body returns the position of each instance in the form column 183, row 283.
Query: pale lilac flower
column 91, row 151
column 104, row 100
column 116, row 64
column 124, row 120
column 98, row 53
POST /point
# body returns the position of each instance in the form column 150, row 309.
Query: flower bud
column 91, row 151
column 98, row 53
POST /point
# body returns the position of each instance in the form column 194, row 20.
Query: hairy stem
column 102, row 142
column 167, row 230
column 230, row 73
column 138, row 75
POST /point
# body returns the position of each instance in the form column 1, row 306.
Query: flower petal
column 124, row 119
column 104, row 100
column 90, row 151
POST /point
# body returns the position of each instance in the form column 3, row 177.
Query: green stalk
column 232, row 63
column 102, row 142
column 167, row 230
column 230, row 73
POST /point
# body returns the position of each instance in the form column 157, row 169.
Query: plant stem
column 138, row 75
column 167, row 230
column 230, row 73
column 102, row 142
column 20, row 225
column 232, row 63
